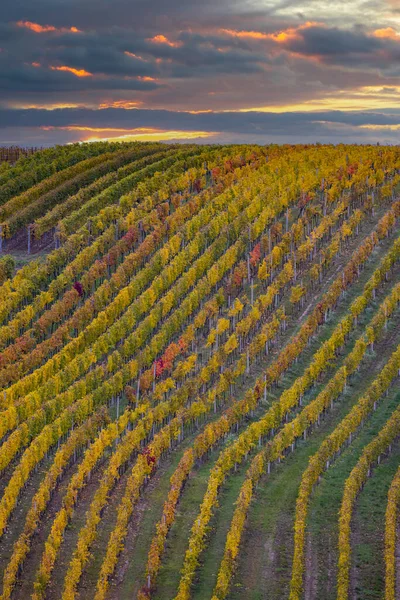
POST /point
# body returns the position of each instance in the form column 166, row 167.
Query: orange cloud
column 160, row 61
column 393, row 127
column 154, row 136
column 293, row 32
column 132, row 55
column 76, row 72
column 36, row 64
column 388, row 32
column 95, row 129
column 120, row 104
column 161, row 39
column 200, row 112
column 257, row 35
column 279, row 36
column 36, row 27
column 143, row 134
column 46, row 28
column 145, row 78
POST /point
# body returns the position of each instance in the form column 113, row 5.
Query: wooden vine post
column 29, row 238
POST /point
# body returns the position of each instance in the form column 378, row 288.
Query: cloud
column 76, row 72
column 162, row 39
column 45, row 28
column 227, row 122
column 100, row 13
column 202, row 56
column 387, row 32
column 334, row 46
column 39, row 80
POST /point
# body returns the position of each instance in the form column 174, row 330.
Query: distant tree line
column 13, row 153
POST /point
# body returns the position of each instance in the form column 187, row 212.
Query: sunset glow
column 146, row 78
column 388, row 32
column 76, row 72
column 256, row 35
column 162, row 39
column 370, row 97
column 292, row 32
column 240, row 70
column 142, row 135
column 126, row 104
column 132, row 55
column 36, row 27
column 279, row 36
column 46, row 28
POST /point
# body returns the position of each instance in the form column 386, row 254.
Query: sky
column 212, row 71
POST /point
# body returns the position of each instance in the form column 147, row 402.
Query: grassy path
column 265, row 561
column 177, row 540
column 325, row 503
column 368, row 526
column 129, row 576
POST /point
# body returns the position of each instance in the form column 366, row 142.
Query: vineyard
column 200, row 372
column 11, row 154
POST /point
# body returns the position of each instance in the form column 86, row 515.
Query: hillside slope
column 199, row 362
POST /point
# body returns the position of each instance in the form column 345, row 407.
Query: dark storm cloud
column 26, row 78
column 190, row 51
column 346, row 47
column 322, row 41
column 102, row 60
column 232, row 122
column 187, row 55
column 49, row 127
column 190, row 55
column 135, row 14
column 116, row 56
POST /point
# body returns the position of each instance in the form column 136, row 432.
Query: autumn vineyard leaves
column 199, row 372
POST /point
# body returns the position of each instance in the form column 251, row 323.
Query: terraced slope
column 199, row 380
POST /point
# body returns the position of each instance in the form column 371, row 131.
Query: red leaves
column 159, row 367
column 239, row 274
column 170, row 354
column 131, row 236
column 255, row 255
column 163, row 210
column 151, row 459
column 176, row 200
column 228, row 166
column 215, row 172
column 257, row 390
column 304, row 200
column 182, row 345
column 276, row 232
column 351, row 169
column 166, row 361
column 146, row 380
column 112, row 256
column 197, row 185
column 79, row 288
